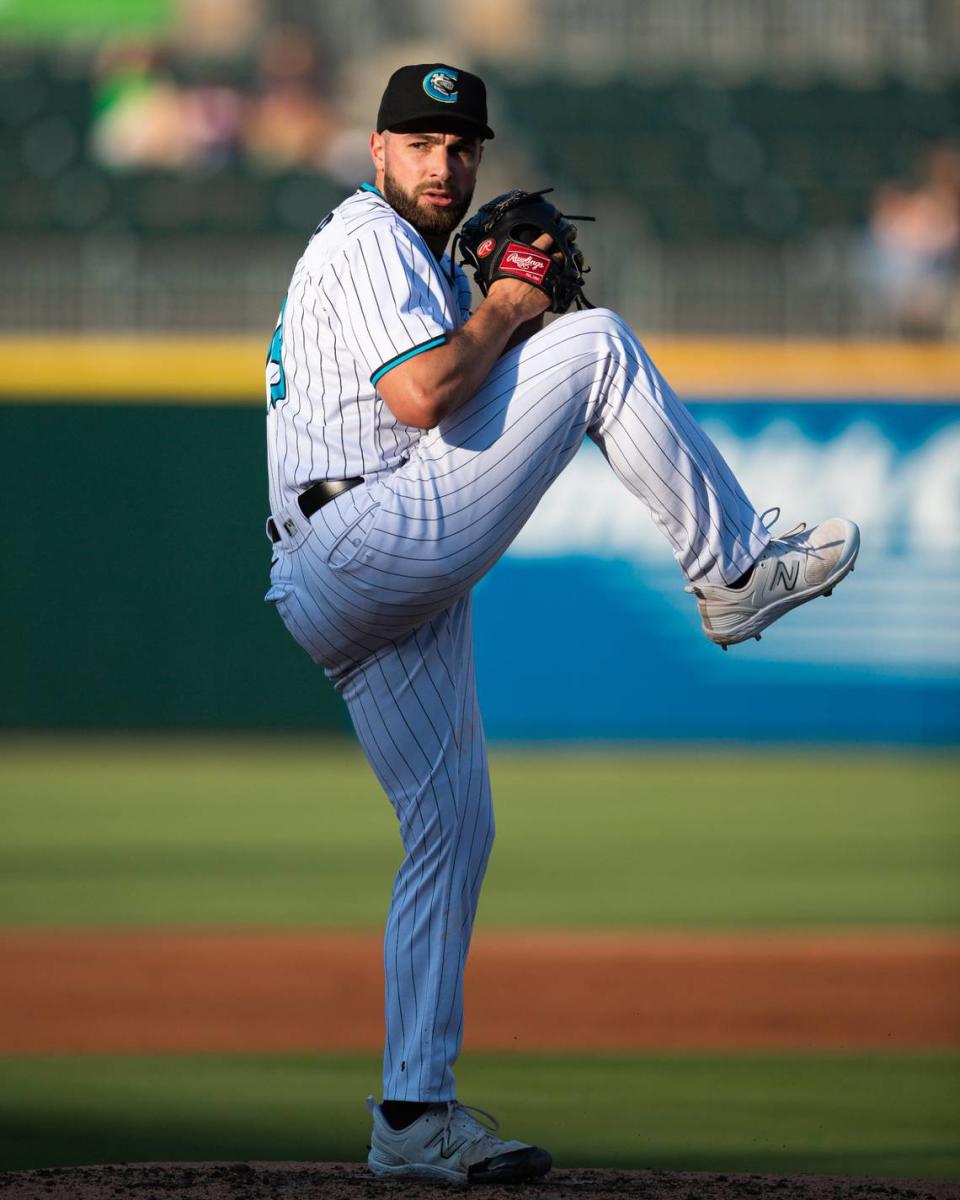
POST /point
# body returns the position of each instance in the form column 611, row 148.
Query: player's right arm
column 425, row 389
column 388, row 305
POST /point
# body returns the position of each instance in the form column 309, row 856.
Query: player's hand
column 523, row 299
column 497, row 242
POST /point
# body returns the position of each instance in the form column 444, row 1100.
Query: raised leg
column 376, row 563
column 447, row 515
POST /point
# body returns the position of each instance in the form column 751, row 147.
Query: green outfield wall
column 135, row 559
column 135, row 564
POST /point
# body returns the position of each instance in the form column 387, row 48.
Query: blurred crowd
column 913, row 248
column 757, row 187
column 147, row 115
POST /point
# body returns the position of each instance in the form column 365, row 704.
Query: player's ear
column 377, row 149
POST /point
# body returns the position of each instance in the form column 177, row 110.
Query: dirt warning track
column 143, row 991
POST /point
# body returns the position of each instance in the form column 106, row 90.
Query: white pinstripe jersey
column 366, row 294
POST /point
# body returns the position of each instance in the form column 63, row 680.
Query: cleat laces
column 768, row 525
column 452, row 1107
column 774, row 516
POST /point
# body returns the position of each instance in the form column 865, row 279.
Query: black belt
column 315, row 497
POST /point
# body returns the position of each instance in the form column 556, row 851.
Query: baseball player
column 409, row 440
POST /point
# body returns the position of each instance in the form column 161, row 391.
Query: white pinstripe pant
column 376, row 587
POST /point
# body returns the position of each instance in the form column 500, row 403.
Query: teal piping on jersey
column 395, row 362
column 368, row 187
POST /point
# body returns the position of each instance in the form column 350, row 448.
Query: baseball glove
column 498, row 239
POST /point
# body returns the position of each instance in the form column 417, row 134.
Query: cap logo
column 442, row 85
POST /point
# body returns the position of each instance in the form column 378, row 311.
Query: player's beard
column 430, row 221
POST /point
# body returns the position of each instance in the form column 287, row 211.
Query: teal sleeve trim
column 395, row 362
column 368, row 187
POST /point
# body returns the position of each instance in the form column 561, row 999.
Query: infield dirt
column 143, row 991
column 100, row 992
column 334, row 1181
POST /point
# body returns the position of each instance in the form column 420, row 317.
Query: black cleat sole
column 517, row 1166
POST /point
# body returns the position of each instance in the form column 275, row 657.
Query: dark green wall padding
column 135, row 564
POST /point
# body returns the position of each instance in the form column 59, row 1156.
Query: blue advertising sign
column 584, row 630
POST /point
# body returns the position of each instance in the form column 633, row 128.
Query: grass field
column 892, row 1115
column 283, row 833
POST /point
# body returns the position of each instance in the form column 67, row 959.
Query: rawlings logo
column 485, row 247
column 525, row 263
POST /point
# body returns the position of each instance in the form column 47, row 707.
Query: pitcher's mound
column 351, row 1181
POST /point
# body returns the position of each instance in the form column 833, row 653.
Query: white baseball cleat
column 450, row 1145
column 792, row 569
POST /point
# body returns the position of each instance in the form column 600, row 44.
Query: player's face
column 428, row 177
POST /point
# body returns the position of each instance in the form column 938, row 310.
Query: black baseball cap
column 432, row 97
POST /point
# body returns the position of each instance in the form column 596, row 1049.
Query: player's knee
column 459, row 836
column 597, row 320
column 614, row 324
column 603, row 314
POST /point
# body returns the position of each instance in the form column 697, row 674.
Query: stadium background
column 777, row 189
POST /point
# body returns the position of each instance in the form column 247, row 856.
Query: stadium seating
column 758, row 160
column 755, row 161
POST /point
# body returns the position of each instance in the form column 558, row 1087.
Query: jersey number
column 276, row 379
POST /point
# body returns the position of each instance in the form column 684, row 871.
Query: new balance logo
column 446, row 1150
column 786, row 575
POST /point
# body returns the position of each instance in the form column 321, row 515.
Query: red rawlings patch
column 524, row 263
column 485, row 248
